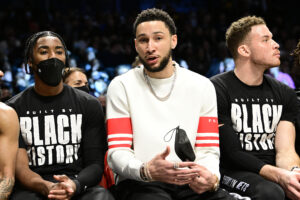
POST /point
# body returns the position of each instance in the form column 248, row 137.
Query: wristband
column 145, row 173
column 216, row 185
column 78, row 189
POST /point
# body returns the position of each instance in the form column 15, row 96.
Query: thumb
column 60, row 177
column 165, row 153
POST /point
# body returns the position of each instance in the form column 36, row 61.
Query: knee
column 96, row 193
column 25, row 195
column 269, row 190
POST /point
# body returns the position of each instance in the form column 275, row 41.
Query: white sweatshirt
column 137, row 122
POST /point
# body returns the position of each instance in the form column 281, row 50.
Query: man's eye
column 143, row 40
column 43, row 52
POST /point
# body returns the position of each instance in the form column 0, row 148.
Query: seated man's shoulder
column 194, row 77
column 222, row 77
column 5, row 108
column 6, row 113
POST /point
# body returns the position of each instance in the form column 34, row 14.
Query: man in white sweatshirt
column 149, row 108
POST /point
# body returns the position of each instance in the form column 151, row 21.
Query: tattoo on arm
column 6, row 186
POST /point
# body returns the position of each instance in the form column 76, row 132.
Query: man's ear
column 29, row 66
column 173, row 41
column 29, row 62
column 244, row 50
column 135, row 44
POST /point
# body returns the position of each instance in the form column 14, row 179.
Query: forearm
column 272, row 173
column 6, row 186
column 287, row 160
column 33, row 181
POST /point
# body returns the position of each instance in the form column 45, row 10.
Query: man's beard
column 162, row 65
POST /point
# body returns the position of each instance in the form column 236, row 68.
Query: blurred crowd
column 99, row 35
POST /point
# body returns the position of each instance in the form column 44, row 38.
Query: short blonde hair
column 238, row 30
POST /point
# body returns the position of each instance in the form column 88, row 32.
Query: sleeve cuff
column 79, row 188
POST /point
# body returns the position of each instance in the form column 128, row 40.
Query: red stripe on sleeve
column 207, row 145
column 208, row 125
column 119, row 125
column 119, row 145
column 207, row 138
column 120, row 139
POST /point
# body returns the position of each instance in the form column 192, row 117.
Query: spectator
column 142, row 150
column 63, row 140
column 75, row 77
column 257, row 115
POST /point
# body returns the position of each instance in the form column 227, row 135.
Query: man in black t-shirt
column 63, row 140
column 256, row 117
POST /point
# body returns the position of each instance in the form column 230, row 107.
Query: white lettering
column 76, row 128
column 36, row 132
column 41, row 157
column 50, row 133
column 63, row 136
column 25, row 126
column 256, row 117
column 236, row 117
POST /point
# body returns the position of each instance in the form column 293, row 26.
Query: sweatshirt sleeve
column 121, row 157
column 207, row 140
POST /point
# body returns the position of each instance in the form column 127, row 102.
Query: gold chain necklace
column 152, row 90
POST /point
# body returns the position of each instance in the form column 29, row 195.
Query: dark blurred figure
column 296, row 76
column 296, row 67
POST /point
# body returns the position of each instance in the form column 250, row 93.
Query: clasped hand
column 291, row 184
column 63, row 190
column 198, row 177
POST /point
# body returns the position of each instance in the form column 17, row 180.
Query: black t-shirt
column 62, row 134
column 251, row 114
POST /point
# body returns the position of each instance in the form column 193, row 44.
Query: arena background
column 99, row 35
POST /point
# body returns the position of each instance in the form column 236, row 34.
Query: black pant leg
column 186, row 193
column 138, row 190
column 251, row 185
column 95, row 193
column 21, row 193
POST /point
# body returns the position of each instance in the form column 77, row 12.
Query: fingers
column 293, row 194
column 181, row 181
column 165, row 153
column 67, row 187
column 60, row 178
column 64, row 192
column 58, row 194
column 187, row 164
column 197, row 189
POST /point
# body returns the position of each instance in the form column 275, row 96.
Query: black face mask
column 84, row 88
column 50, row 71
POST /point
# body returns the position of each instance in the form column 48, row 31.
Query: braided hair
column 31, row 42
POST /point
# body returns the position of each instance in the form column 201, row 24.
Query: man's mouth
column 152, row 59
